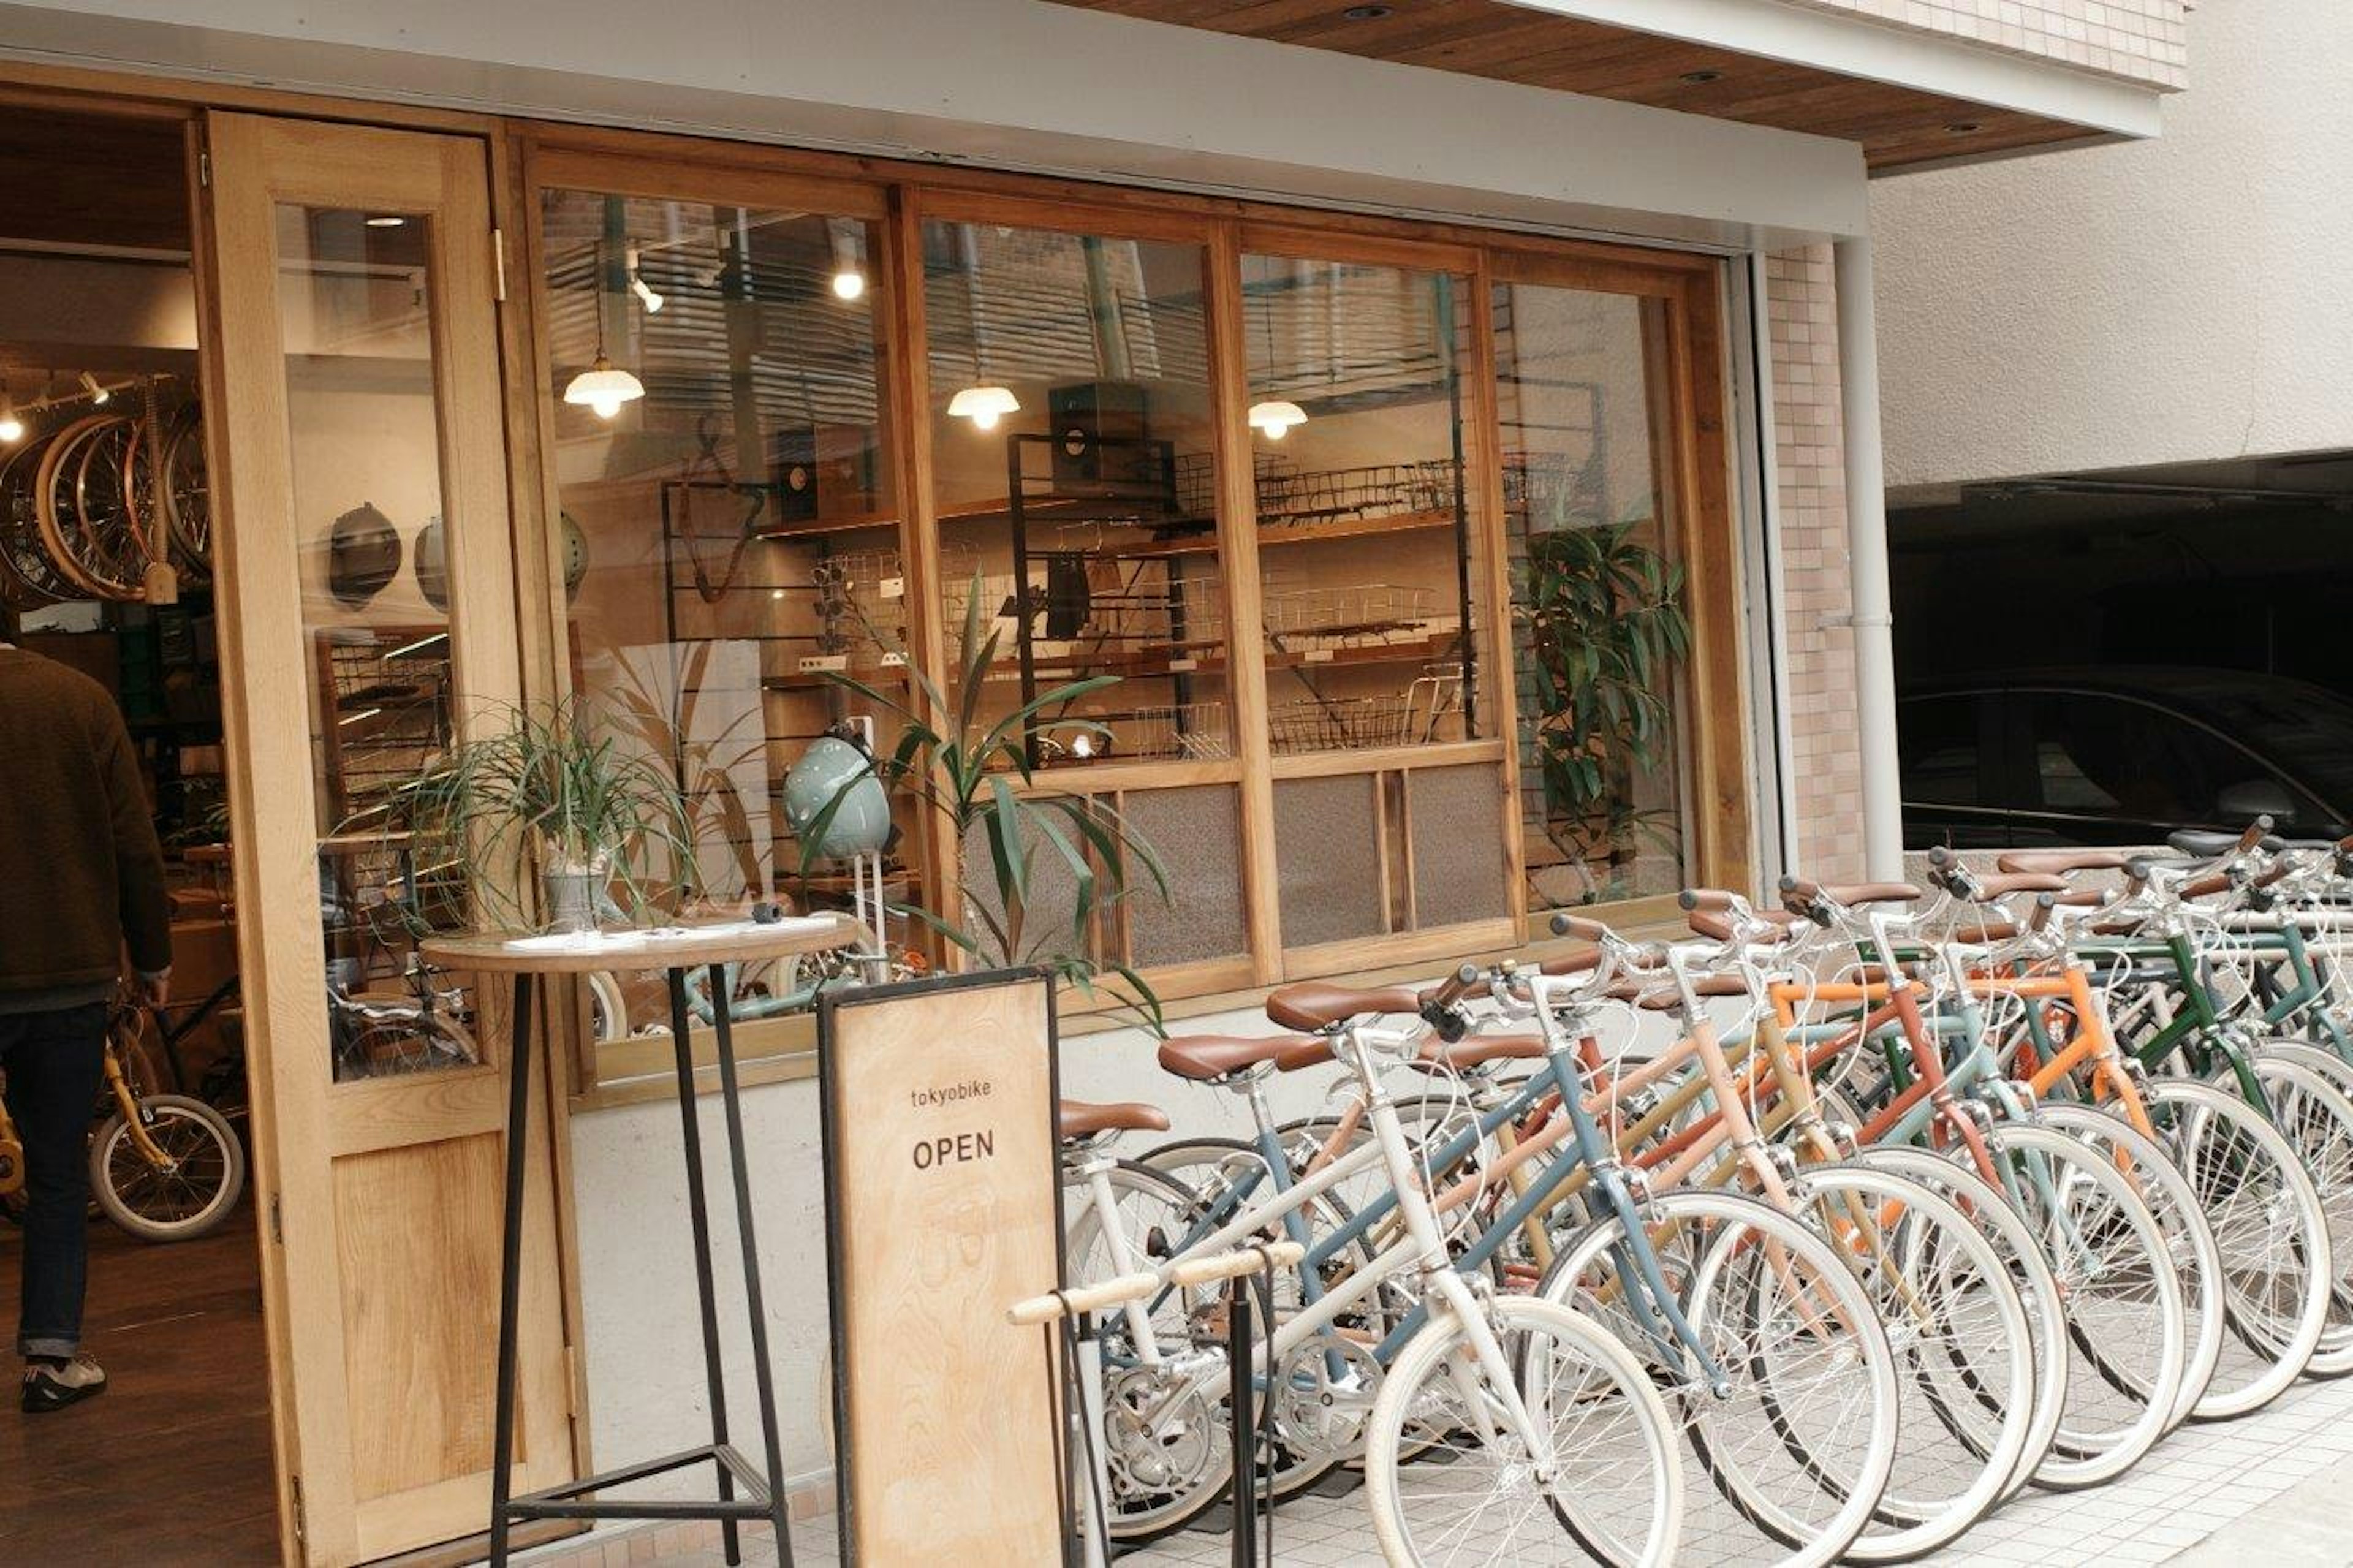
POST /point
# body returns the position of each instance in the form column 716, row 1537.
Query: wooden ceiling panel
column 1896, row 125
column 69, row 179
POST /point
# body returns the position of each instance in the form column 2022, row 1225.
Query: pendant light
column 984, row 403
column 603, row 386
column 1276, row 415
column 1273, row 416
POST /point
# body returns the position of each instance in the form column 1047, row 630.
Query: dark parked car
column 2120, row 756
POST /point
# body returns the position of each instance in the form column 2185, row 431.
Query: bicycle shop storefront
column 335, row 431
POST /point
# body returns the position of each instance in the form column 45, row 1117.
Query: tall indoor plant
column 553, row 793
column 963, row 769
column 1606, row 630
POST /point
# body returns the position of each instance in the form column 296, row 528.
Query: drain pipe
column 1866, row 521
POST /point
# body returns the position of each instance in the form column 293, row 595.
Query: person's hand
column 155, row 990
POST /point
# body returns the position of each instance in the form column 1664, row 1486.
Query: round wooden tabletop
column 669, row 947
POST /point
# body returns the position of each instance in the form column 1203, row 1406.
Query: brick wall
column 2141, row 40
column 1802, row 314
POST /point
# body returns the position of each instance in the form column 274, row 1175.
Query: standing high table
column 690, row 948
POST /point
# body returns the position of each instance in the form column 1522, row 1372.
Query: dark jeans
column 54, row 1062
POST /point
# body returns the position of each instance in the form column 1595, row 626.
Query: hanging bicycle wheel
column 89, row 528
column 183, row 492
column 28, row 577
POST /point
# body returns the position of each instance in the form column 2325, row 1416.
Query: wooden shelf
column 1278, row 532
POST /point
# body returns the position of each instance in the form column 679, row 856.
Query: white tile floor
column 2249, row 1490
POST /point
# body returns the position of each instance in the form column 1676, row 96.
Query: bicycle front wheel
column 1962, row 1342
column 181, row 1183
column 1790, row 1398
column 1608, row 1487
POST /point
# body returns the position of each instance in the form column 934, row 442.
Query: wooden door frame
column 274, row 831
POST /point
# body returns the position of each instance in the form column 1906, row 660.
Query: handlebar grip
column 1566, row 924
column 1940, row 855
column 1084, row 1298
column 2256, row 832
column 1713, row 899
column 2211, row 882
column 2043, row 904
column 1242, row 1260
column 1453, row 988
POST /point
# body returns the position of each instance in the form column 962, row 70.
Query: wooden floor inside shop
column 172, row 1464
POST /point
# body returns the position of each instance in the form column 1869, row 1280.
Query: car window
column 2111, row 756
column 1937, row 739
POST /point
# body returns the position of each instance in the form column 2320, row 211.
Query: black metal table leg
column 698, row 1208
column 510, row 1267
column 731, row 1101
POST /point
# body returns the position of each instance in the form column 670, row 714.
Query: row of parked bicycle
column 1817, row 1236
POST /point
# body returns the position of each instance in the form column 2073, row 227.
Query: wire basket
column 1184, row 732
column 1413, row 717
column 1346, row 610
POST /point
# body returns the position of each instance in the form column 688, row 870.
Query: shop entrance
column 252, row 480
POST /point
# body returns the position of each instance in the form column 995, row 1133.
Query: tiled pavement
column 2274, row 1489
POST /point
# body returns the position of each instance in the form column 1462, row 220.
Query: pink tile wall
column 2142, row 40
column 1802, row 316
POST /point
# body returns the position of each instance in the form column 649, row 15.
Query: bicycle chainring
column 1162, row 1434
column 1324, row 1394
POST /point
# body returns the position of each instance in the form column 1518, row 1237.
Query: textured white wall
column 2177, row 300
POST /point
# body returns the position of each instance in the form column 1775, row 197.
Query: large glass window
column 1601, row 629
column 1073, row 476
column 731, row 539
column 1366, row 537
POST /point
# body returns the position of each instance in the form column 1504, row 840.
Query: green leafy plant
column 1606, row 628
column 665, row 720
column 555, row 791
column 965, row 771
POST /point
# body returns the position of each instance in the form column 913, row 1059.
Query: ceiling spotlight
column 848, row 272
column 1275, row 416
column 983, row 405
column 1963, row 128
column 1365, row 13
column 12, row 429
column 387, row 220
column 98, row 395
column 1701, row 77
column 603, row 388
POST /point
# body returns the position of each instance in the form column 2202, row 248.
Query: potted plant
column 963, row 769
column 556, row 793
column 1603, row 621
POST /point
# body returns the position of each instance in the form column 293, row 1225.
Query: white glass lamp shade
column 983, row 405
column 1276, row 415
column 604, row 388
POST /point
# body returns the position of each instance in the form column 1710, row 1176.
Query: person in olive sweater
column 81, row 879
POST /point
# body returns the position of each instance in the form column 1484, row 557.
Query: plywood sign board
column 943, row 1209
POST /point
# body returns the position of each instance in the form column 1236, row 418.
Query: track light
column 652, row 301
column 98, row 395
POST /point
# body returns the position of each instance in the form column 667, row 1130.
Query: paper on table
column 577, row 941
